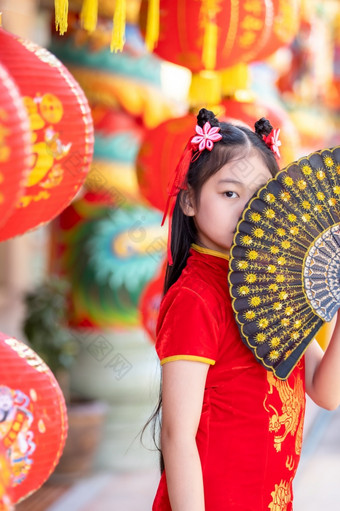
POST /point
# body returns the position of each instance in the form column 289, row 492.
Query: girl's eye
column 231, row 195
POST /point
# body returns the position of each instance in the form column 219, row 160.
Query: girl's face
column 223, row 198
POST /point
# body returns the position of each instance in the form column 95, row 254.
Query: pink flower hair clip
column 273, row 142
column 206, row 137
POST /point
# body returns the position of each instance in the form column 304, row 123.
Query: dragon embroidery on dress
column 288, row 420
column 282, row 496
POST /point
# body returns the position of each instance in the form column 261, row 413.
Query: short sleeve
column 187, row 329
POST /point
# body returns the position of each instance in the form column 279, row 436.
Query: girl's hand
column 323, row 371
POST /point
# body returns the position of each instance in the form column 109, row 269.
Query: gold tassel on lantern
column 118, row 33
column 210, row 39
column 152, row 25
column 205, row 90
column 61, row 12
column 89, row 14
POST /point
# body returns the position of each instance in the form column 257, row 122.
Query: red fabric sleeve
column 187, row 328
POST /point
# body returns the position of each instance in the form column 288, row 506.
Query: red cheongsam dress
column 250, row 431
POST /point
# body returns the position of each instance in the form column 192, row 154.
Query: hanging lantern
column 33, row 423
column 150, row 302
column 215, row 34
column 61, row 133
column 15, row 147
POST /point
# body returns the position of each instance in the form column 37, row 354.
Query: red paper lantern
column 150, row 302
column 61, row 133
column 33, row 419
column 15, row 146
column 205, row 34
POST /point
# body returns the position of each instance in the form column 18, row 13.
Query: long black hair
column 236, row 142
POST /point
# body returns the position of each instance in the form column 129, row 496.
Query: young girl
column 231, row 431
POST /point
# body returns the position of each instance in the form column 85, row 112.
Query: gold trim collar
column 203, row 250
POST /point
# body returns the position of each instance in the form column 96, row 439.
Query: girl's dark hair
column 237, row 142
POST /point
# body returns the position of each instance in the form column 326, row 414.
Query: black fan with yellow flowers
column 285, row 261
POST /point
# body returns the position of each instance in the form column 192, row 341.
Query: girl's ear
column 187, row 202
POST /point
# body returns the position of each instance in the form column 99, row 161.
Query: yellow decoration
column 118, row 32
column 260, row 337
column 255, row 301
column 258, row 233
column 301, row 184
column 328, row 161
column 252, row 255
column 89, row 14
column 275, row 342
column 285, row 196
column 263, row 323
column 269, row 198
column 320, row 175
column 250, row 315
column 244, row 290
column 242, row 265
column 256, row 217
column 288, row 181
column 152, row 25
column 306, row 169
column 270, row 213
column 246, row 240
column 251, row 278
column 205, row 89
column 294, row 231
column 61, row 12
column 236, row 82
column 210, row 38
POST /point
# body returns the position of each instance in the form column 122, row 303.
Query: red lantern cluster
column 33, row 419
column 61, row 133
column 215, row 34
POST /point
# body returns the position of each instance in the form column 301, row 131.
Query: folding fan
column 285, row 261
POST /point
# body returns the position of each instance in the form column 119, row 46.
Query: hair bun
column 204, row 116
column 263, row 127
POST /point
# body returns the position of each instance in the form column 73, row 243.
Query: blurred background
column 84, row 290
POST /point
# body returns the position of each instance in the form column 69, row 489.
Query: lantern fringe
column 210, row 45
column 118, row 32
column 205, row 89
column 61, row 13
column 89, row 14
column 210, row 38
column 152, row 25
